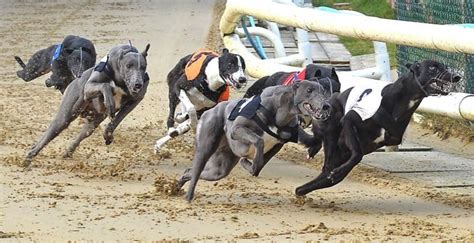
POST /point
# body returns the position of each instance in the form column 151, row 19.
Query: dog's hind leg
column 70, row 108
column 210, row 130
column 38, row 64
column 90, row 125
column 173, row 102
column 217, row 167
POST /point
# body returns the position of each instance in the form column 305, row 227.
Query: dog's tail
column 19, row 61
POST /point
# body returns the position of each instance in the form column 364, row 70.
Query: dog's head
column 433, row 77
column 311, row 99
column 317, row 71
column 232, row 69
column 326, row 76
column 79, row 60
column 132, row 68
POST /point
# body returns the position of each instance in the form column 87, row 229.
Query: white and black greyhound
column 112, row 88
column 199, row 81
column 364, row 119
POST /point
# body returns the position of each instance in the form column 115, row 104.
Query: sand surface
column 121, row 191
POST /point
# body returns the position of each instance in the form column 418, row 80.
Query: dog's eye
column 309, row 91
column 432, row 69
column 128, row 65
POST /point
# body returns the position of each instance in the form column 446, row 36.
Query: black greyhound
column 326, row 76
column 354, row 130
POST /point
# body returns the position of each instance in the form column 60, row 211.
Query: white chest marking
column 380, row 138
column 118, row 95
column 412, row 103
column 213, row 75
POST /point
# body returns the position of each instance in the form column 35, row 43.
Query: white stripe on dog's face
column 240, row 72
column 213, row 76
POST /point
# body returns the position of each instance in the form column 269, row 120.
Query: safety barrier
column 456, row 105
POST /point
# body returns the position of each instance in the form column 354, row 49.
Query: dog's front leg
column 313, row 143
column 351, row 137
column 189, row 107
column 247, row 136
column 123, row 112
column 94, row 89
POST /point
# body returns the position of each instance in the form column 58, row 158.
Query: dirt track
column 116, row 192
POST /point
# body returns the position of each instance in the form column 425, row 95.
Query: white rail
column 442, row 37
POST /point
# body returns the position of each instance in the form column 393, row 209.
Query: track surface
column 116, row 192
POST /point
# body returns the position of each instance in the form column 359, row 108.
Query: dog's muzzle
column 318, row 113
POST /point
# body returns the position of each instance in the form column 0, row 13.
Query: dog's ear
column 145, row 52
column 334, row 75
column 296, row 85
column 225, row 51
column 242, row 61
column 415, row 68
column 310, row 71
column 318, row 73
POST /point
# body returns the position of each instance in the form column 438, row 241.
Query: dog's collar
column 104, row 66
column 425, row 94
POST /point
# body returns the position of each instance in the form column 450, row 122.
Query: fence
column 438, row 12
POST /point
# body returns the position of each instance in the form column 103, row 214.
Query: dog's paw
column 300, row 192
column 108, row 137
column 246, row 164
column 189, row 196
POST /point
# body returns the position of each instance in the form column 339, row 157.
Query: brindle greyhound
column 365, row 119
column 66, row 61
column 253, row 129
column 113, row 88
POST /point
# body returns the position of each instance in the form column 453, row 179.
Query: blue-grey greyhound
column 252, row 129
column 113, row 88
column 66, row 61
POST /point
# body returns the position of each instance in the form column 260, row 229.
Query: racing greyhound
column 254, row 129
column 364, row 119
column 326, row 76
column 199, row 81
column 67, row 61
column 113, row 88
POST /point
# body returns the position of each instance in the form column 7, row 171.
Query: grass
column 445, row 127
column 377, row 8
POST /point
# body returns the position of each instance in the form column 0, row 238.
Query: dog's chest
column 119, row 94
column 199, row 100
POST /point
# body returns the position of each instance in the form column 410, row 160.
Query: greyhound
column 254, row 129
column 113, row 88
column 364, row 119
column 66, row 61
column 326, row 76
column 199, row 81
